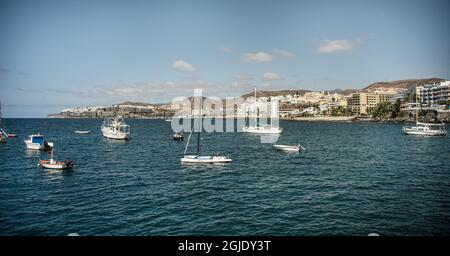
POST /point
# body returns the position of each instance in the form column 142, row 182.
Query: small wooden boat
column 289, row 148
column 52, row 164
column 82, row 132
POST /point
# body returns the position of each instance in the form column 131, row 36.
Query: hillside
column 409, row 84
column 273, row 93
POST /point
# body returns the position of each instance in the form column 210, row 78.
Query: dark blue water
column 354, row 179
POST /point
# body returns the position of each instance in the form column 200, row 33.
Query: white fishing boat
column 257, row 128
column 37, row 142
column 427, row 129
column 82, row 132
column 197, row 158
column 289, row 148
column 116, row 129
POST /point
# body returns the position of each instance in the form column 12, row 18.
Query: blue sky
column 61, row 54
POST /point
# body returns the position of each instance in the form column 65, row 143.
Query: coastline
column 321, row 119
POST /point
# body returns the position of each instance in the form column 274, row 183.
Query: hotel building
column 359, row 103
column 433, row 94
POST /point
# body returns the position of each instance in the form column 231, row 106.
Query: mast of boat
column 256, row 111
column 200, row 124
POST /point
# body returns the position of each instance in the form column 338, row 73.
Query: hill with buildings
column 260, row 93
column 409, row 84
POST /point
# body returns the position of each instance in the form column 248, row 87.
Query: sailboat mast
column 256, row 111
column 200, row 124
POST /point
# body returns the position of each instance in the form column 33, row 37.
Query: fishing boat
column 257, row 128
column 178, row 136
column 82, row 132
column 56, row 165
column 427, row 129
column 197, row 158
column 37, row 142
column 116, row 129
column 11, row 135
column 289, row 148
column 52, row 164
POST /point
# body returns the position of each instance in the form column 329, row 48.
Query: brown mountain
column 409, row 84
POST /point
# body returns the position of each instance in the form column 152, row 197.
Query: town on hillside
column 381, row 101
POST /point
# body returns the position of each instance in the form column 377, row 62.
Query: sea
column 353, row 178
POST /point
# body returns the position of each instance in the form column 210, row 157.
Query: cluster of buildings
column 436, row 95
column 360, row 103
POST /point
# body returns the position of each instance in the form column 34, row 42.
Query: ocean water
column 353, row 179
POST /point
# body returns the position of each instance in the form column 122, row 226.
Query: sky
column 73, row 53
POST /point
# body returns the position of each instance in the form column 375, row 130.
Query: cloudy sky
column 60, row 54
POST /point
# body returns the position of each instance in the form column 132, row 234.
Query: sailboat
column 424, row 128
column 261, row 129
column 3, row 134
column 197, row 158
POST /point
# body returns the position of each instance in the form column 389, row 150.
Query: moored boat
column 178, row 136
column 426, row 129
column 82, row 132
column 289, row 148
column 57, row 165
column 116, row 129
column 262, row 130
column 197, row 158
column 37, row 142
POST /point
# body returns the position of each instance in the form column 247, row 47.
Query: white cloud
column 268, row 76
column 226, row 49
column 284, row 53
column 335, row 45
column 257, row 56
column 183, row 66
column 243, row 77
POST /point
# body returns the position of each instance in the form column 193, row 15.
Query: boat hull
column 205, row 159
column 55, row 166
column 116, row 135
column 37, row 146
column 82, row 132
column 425, row 133
column 262, row 130
column 287, row 148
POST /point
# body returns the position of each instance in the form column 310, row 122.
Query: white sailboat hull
column 262, row 130
column 205, row 159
